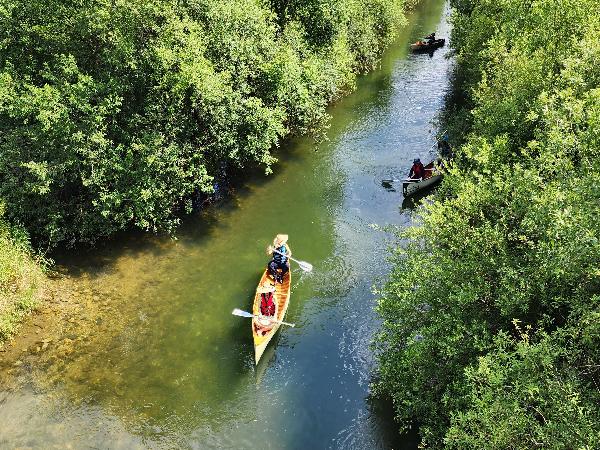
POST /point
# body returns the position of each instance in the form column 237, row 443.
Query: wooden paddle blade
column 239, row 312
column 307, row 267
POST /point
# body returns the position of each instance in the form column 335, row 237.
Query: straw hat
column 280, row 239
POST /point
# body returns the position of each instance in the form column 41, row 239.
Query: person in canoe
column 267, row 308
column 281, row 253
column 417, row 171
column 430, row 39
column 267, row 304
column 444, row 148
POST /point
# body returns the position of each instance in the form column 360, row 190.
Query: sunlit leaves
column 119, row 112
column 508, row 254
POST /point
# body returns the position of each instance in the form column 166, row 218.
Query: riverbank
column 22, row 280
column 128, row 111
column 491, row 330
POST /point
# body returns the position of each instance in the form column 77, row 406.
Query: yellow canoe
column 264, row 329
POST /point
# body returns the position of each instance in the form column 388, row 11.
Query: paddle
column 307, row 267
column 394, row 180
column 239, row 312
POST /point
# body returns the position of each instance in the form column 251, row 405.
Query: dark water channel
column 167, row 366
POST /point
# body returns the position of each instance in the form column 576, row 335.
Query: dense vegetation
column 21, row 278
column 117, row 113
column 491, row 332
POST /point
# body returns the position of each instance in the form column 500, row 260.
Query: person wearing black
column 444, row 148
column 431, row 38
column 281, row 253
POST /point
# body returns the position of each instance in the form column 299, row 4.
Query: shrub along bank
column 491, row 315
column 21, row 278
column 116, row 113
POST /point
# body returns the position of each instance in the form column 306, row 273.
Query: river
column 159, row 361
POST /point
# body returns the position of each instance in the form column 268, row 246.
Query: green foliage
column 116, row 113
column 21, row 278
column 527, row 395
column 490, row 328
column 368, row 26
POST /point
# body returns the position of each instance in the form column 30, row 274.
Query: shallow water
column 163, row 363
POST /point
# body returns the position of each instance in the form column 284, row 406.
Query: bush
column 118, row 113
column 510, row 238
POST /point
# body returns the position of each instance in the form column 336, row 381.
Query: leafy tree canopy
column 491, row 313
column 118, row 112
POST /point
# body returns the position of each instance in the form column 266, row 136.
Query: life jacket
column 418, row 170
column 267, row 305
column 280, row 259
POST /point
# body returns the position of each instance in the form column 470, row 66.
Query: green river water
column 164, row 364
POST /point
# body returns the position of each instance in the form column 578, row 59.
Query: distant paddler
column 417, row 171
column 281, row 253
column 430, row 38
column 444, row 148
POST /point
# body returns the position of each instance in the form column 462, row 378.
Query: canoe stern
column 282, row 297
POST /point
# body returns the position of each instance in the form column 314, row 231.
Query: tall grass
column 21, row 279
